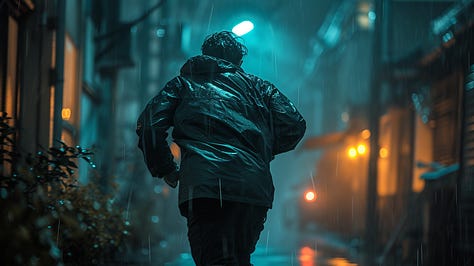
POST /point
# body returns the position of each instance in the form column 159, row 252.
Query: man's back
column 223, row 126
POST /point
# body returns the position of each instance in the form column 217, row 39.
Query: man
column 229, row 125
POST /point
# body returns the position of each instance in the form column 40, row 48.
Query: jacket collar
column 207, row 65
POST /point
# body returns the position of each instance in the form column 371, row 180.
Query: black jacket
column 229, row 126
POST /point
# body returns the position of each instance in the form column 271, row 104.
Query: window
column 70, row 111
column 11, row 88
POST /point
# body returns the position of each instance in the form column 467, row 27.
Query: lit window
column 66, row 113
column 383, row 153
column 69, row 113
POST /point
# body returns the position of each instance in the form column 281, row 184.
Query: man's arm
column 288, row 124
column 152, row 127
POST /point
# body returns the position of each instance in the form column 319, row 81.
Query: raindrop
column 210, row 18
column 130, row 193
column 149, row 249
column 220, row 192
column 268, row 238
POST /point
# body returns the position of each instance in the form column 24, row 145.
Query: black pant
column 223, row 233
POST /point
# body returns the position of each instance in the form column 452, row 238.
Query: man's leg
column 250, row 225
column 211, row 232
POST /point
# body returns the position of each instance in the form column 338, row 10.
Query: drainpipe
column 59, row 70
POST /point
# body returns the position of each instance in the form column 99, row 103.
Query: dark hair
column 224, row 45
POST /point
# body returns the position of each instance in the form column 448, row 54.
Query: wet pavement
column 314, row 250
column 306, row 256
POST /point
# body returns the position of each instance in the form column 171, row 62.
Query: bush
column 46, row 217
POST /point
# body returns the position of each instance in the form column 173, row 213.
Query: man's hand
column 172, row 178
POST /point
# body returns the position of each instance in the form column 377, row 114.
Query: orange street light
column 361, row 149
column 352, row 152
column 310, row 196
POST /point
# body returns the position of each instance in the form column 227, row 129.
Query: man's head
column 224, row 45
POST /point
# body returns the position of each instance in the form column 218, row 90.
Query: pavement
column 264, row 257
column 325, row 250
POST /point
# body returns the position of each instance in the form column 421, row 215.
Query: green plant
column 46, row 216
column 7, row 151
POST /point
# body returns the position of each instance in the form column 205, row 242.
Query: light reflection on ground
column 302, row 256
column 340, row 262
column 309, row 257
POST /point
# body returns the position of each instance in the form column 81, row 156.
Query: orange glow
column 11, row 71
column 307, row 256
column 67, row 137
column 70, row 105
column 310, row 196
column 365, row 134
column 176, row 151
column 361, row 149
column 383, row 153
column 66, row 113
column 340, row 262
column 352, row 152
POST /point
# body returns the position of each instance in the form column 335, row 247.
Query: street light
column 310, row 196
column 352, row 152
column 243, row 28
column 361, row 149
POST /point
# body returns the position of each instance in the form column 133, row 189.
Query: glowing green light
column 242, row 28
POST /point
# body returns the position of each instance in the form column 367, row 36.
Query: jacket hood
column 206, row 65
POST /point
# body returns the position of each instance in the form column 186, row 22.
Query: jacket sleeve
column 288, row 124
column 152, row 129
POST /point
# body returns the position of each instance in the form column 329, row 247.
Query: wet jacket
column 229, row 126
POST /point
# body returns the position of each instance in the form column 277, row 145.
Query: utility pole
column 371, row 241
